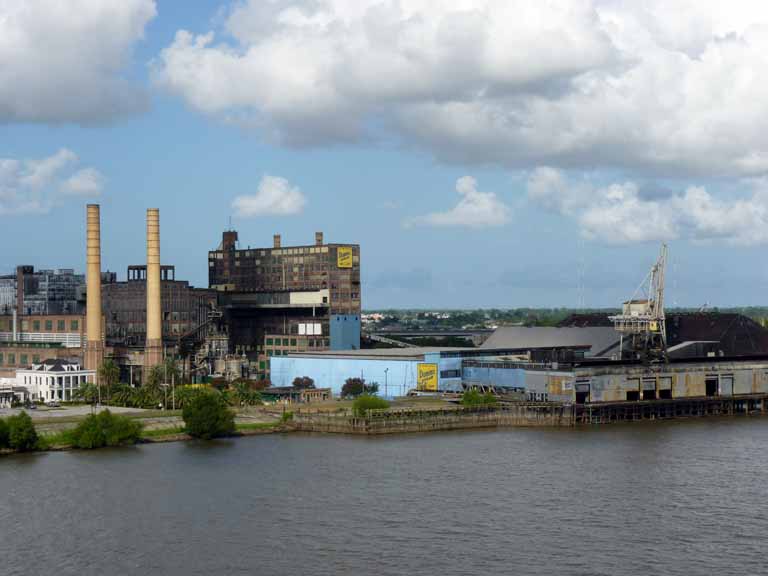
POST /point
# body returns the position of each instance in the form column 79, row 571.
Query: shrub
column 3, row 433
column 22, row 435
column 105, row 429
column 475, row 398
column 367, row 402
column 206, row 415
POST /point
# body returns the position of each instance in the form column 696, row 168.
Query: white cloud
column 35, row 186
column 85, row 182
column 274, row 196
column 668, row 86
column 476, row 209
column 66, row 61
column 619, row 214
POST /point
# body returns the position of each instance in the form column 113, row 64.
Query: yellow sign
column 654, row 326
column 344, row 257
column 427, row 377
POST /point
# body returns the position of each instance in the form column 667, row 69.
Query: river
column 672, row 498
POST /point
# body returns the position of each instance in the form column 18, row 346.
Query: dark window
column 74, row 325
column 23, row 359
column 61, row 326
column 49, row 325
column 36, row 325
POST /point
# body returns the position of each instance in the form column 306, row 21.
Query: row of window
column 38, row 325
column 23, row 359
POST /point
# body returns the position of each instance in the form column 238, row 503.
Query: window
column 49, row 325
column 269, row 342
column 11, row 359
column 36, row 359
column 61, row 326
column 36, row 325
column 23, row 359
column 1, row 359
column 285, row 341
column 262, row 365
column 74, row 325
column 293, row 341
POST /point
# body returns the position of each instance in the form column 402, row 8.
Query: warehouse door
column 711, row 385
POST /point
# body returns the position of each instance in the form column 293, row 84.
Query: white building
column 54, row 380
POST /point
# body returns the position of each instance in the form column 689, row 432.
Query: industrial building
column 286, row 299
column 42, row 292
column 184, row 308
column 398, row 371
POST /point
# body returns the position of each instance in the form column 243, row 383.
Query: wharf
column 527, row 414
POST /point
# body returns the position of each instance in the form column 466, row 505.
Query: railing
column 66, row 339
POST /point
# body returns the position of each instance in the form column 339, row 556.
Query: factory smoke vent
column 153, row 351
column 94, row 345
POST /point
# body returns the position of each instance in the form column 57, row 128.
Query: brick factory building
column 184, row 308
column 287, row 298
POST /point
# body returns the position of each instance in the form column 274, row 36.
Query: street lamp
column 386, row 390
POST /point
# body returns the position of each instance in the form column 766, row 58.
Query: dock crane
column 642, row 321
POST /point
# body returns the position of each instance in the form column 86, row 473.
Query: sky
column 483, row 153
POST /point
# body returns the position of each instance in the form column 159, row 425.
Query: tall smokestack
column 153, row 351
column 276, row 241
column 318, row 238
column 94, row 344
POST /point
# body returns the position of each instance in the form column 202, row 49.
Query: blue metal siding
column 333, row 372
column 345, row 332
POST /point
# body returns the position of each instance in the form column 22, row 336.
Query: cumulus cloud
column 671, row 87
column 85, row 182
column 35, row 186
column 275, row 196
column 475, row 209
column 619, row 214
column 66, row 61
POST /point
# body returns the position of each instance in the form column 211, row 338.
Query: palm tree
column 109, row 375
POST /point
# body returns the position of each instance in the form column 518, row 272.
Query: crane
column 642, row 321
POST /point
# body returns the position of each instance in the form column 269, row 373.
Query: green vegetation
column 366, row 402
column 159, row 432
column 3, row 434
column 286, row 417
column 22, row 435
column 242, row 393
column 105, row 429
column 207, row 415
column 475, row 398
column 354, row 387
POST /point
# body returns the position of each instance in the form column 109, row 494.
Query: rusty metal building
column 287, row 298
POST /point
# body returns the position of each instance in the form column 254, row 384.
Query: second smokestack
column 153, row 352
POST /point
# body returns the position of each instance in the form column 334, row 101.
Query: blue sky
column 371, row 139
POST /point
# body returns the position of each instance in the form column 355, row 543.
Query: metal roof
column 601, row 340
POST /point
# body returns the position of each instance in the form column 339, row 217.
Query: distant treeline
column 453, row 319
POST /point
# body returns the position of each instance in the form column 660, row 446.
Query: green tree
column 303, row 382
column 354, row 387
column 243, row 394
column 88, row 393
column 109, row 376
column 207, row 415
column 366, row 402
column 3, row 433
column 22, row 435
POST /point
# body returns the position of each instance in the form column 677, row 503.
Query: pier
column 527, row 414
